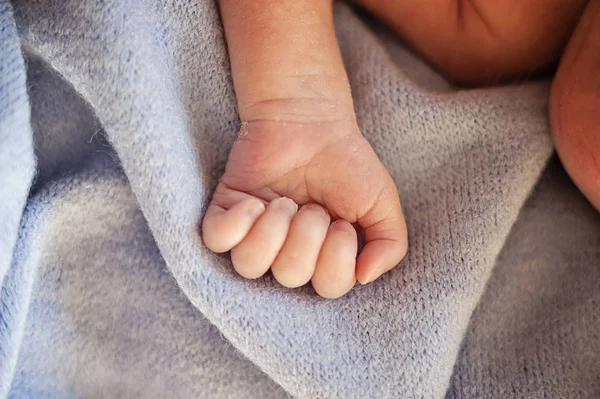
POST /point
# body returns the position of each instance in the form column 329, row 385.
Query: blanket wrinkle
column 109, row 292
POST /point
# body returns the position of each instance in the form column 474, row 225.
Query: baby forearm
column 287, row 67
column 284, row 54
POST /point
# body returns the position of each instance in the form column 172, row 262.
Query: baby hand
column 328, row 168
column 300, row 161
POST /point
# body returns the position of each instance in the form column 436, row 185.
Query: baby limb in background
column 299, row 143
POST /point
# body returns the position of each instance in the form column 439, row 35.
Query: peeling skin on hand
column 243, row 132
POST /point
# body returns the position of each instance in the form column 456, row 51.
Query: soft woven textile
column 128, row 111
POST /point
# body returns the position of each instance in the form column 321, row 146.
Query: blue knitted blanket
column 116, row 118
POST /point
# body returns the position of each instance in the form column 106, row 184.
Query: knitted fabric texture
column 116, row 118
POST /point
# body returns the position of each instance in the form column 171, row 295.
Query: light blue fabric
column 108, row 291
column 17, row 167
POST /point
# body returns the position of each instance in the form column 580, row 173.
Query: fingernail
column 287, row 205
column 255, row 209
column 340, row 226
column 371, row 276
column 317, row 208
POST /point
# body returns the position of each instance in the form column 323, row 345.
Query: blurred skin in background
column 301, row 177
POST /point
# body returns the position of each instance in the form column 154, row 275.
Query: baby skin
column 301, row 180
